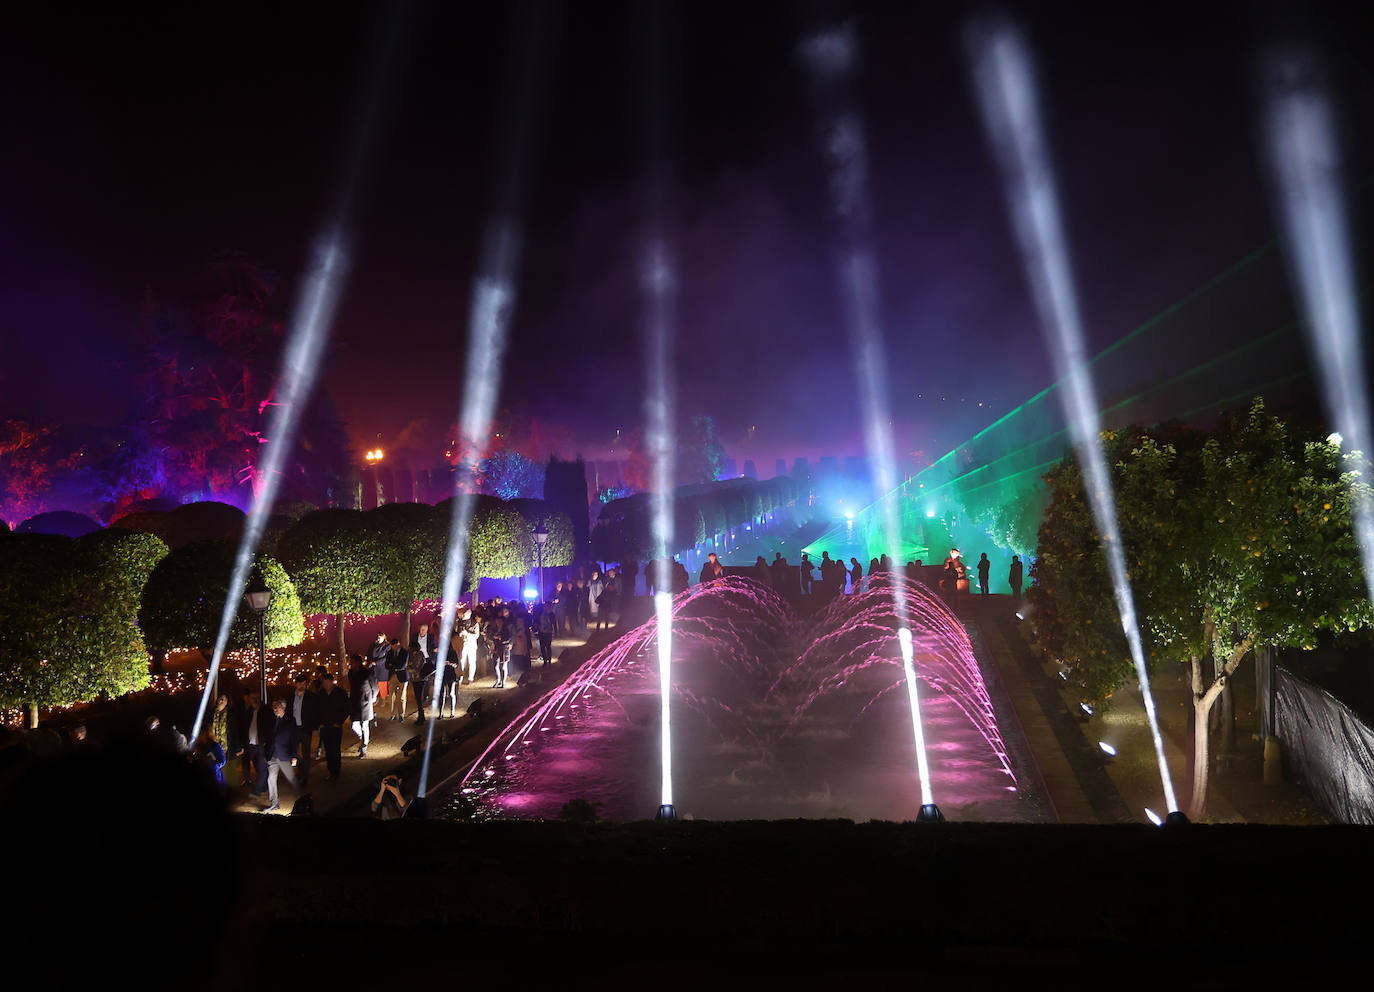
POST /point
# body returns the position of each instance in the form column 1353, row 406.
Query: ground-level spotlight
column 1086, row 708
column 1020, row 615
column 930, row 813
column 1153, row 817
column 666, row 812
column 531, row 593
column 1107, row 750
column 1176, row 819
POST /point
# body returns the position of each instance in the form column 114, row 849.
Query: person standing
column 582, row 601
column 468, row 635
column 856, row 576
column 1014, row 578
column 362, row 698
column 610, row 598
column 562, row 596
column 544, row 626
column 421, row 679
column 224, row 727
column 450, row 679
column 711, row 570
column 807, row 571
column 380, row 675
column 333, row 711
column 984, row 566
column 520, row 641
column 630, row 578
column 594, row 590
column 251, row 723
column 499, row 635
column 305, row 711
column 397, row 662
column 282, row 744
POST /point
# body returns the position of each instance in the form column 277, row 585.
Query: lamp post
column 259, row 598
column 541, row 535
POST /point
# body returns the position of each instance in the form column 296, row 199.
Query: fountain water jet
column 1006, row 92
column 829, row 57
column 783, row 681
column 1306, row 166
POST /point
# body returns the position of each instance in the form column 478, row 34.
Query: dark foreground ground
column 102, row 883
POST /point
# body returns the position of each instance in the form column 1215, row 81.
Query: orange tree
column 1233, row 541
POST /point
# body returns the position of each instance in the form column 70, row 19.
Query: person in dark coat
column 544, row 629
column 856, row 576
column 422, row 680
column 362, row 698
column 209, row 755
column 808, row 570
column 984, row 566
column 334, row 712
column 761, row 572
column 681, row 580
column 1015, row 576
column 712, row 569
column 282, row 745
column 305, row 712
column 252, row 736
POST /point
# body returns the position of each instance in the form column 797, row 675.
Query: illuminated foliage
column 558, row 549
column 185, row 596
column 1233, row 541
column 340, row 564
column 508, row 474
column 69, row 610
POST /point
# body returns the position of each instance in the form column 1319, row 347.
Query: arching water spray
column 1306, row 165
column 306, row 338
column 1007, row 97
column 829, row 58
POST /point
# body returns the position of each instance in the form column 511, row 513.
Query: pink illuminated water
column 775, row 715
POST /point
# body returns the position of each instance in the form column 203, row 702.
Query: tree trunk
column 1228, row 719
column 405, row 626
column 31, row 716
column 341, row 648
column 1202, row 767
column 158, row 658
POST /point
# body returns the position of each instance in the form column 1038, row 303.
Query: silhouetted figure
column 761, row 572
column 681, row 580
column 779, row 568
column 807, row 571
column 1014, row 578
column 712, row 569
column 873, row 566
column 984, row 566
column 856, row 576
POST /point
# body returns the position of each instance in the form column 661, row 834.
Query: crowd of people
column 836, row 578
column 283, row 738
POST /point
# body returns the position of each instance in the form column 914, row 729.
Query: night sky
column 139, row 144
